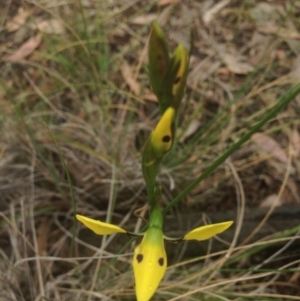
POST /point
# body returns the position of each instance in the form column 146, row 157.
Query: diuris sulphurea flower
column 150, row 260
column 168, row 75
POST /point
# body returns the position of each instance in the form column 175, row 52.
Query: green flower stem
column 283, row 101
column 156, row 217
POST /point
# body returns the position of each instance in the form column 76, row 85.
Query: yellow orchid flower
column 150, row 259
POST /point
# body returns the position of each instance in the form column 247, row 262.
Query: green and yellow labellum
column 163, row 135
column 158, row 58
column 150, row 259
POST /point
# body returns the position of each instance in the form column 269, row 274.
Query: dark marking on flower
column 139, row 257
column 166, row 138
column 161, row 261
column 177, row 80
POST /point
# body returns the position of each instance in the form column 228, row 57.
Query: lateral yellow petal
column 163, row 135
column 206, row 232
column 99, row 227
column 149, row 264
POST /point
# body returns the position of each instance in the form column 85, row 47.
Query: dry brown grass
column 87, row 83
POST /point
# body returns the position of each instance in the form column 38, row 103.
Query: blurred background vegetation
column 78, row 70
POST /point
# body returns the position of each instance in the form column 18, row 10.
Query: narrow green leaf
column 283, row 101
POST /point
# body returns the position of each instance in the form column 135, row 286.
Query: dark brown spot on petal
column 177, row 80
column 139, row 258
column 166, row 138
column 161, row 261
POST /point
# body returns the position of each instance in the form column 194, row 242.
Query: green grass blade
column 283, row 101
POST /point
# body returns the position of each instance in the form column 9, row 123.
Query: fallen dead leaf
column 295, row 142
column 223, row 71
column 150, row 96
column 18, row 20
column 264, row 12
column 272, row 28
column 270, row 200
column 86, row 3
column 295, row 278
column 129, row 79
column 270, row 146
column 209, row 15
column 51, row 26
column 25, row 49
column 202, row 71
column 167, row 2
column 296, row 70
column 281, row 54
column 143, row 19
column 3, row 148
column 235, row 65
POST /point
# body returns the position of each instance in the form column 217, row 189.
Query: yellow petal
column 206, row 232
column 149, row 264
column 99, row 227
column 163, row 135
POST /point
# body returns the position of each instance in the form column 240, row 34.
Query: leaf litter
column 229, row 43
column 25, row 49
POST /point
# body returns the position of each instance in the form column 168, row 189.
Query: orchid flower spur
column 150, row 259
